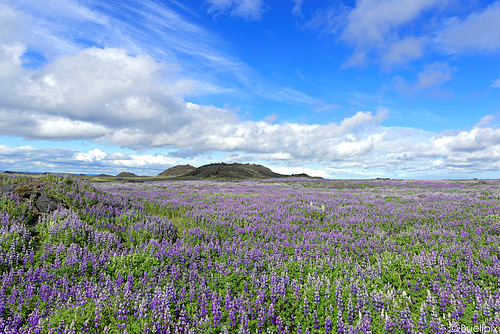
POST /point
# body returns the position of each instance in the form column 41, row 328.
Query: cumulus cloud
column 29, row 158
column 476, row 140
column 93, row 155
column 247, row 9
column 10, row 62
column 478, row 32
column 83, row 83
column 468, row 151
column 26, row 158
column 144, row 27
column 373, row 25
column 108, row 96
column 359, row 145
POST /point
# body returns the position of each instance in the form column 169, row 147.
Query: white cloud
column 297, row 8
column 24, row 158
column 484, row 121
column 63, row 128
column 373, row 20
column 10, row 61
column 289, row 94
column 144, row 27
column 95, row 91
column 200, row 60
column 396, row 32
column 357, row 147
column 142, row 161
column 478, row 32
column 476, row 140
column 373, row 25
column 432, row 76
column 43, row 32
column 387, row 31
column 403, row 51
column 108, row 96
column 93, row 155
column 247, row 9
column 84, row 83
column 326, row 107
column 56, row 9
column 300, row 170
column 495, row 83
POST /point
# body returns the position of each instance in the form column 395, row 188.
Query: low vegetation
column 292, row 255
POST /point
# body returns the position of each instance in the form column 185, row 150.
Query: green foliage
column 136, row 263
column 17, row 209
column 374, row 257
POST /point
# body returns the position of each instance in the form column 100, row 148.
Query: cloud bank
column 109, row 97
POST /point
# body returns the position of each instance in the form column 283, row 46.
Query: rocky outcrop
column 33, row 193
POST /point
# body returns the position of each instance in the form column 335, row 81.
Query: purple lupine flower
column 328, row 325
column 305, row 306
column 315, row 320
column 350, row 311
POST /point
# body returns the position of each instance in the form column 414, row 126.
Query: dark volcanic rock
column 178, row 170
column 46, row 203
column 33, row 194
column 234, row 171
column 8, row 188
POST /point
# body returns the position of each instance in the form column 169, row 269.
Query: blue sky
column 353, row 89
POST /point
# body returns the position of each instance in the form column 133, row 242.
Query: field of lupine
column 272, row 256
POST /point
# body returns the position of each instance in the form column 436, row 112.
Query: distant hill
column 178, row 170
column 126, row 174
column 233, row 171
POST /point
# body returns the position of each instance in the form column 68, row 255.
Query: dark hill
column 178, row 170
column 233, row 171
column 126, row 174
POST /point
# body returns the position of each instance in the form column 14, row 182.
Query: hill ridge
column 178, row 170
column 233, row 171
